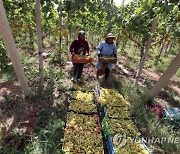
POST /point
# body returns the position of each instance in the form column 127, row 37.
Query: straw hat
column 81, row 32
column 110, row 35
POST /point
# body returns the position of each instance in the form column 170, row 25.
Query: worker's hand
column 99, row 59
column 80, row 50
column 73, row 53
column 100, row 55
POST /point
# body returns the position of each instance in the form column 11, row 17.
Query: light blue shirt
column 106, row 50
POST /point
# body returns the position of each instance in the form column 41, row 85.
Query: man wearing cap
column 81, row 47
column 107, row 48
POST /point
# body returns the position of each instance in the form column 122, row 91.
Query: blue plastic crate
column 99, row 91
column 110, row 145
column 172, row 114
column 145, row 146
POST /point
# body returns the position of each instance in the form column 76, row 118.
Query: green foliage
column 95, row 17
column 4, row 59
column 62, row 19
column 145, row 120
column 48, row 139
column 30, row 67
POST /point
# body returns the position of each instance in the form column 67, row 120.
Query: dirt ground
column 23, row 115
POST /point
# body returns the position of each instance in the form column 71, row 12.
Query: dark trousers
column 106, row 73
column 78, row 68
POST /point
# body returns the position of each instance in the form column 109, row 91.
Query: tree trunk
column 169, row 47
column 135, row 46
column 171, row 70
column 39, row 36
column 70, row 34
column 60, row 37
column 60, row 53
column 146, row 50
column 123, row 46
column 31, row 40
column 166, row 46
column 11, row 49
column 168, row 30
column 160, row 51
column 67, row 39
column 117, row 40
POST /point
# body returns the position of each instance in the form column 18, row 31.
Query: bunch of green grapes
column 83, row 56
column 82, row 106
column 83, row 96
column 118, row 112
column 111, row 97
column 122, row 126
column 108, row 59
column 131, row 147
column 81, row 87
column 82, row 142
column 82, row 122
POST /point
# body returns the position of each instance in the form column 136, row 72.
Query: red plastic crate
column 84, row 59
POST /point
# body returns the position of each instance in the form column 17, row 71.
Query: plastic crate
column 100, row 72
column 83, row 133
column 83, row 112
column 82, row 59
column 120, row 101
column 105, row 128
column 173, row 116
column 108, row 59
column 145, row 146
column 83, row 96
column 80, row 128
column 110, row 146
column 106, row 114
column 82, row 88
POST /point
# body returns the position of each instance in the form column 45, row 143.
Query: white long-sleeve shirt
column 106, row 49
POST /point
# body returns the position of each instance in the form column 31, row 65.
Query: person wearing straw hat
column 81, row 47
column 107, row 48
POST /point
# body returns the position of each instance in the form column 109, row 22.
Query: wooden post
column 141, row 65
column 39, row 36
column 123, row 2
column 171, row 70
column 11, row 49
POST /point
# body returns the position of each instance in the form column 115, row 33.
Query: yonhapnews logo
column 119, row 140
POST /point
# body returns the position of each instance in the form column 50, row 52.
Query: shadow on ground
column 42, row 115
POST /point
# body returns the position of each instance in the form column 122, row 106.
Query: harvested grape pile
column 116, row 120
column 82, row 132
column 93, row 118
column 108, row 59
column 82, row 142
